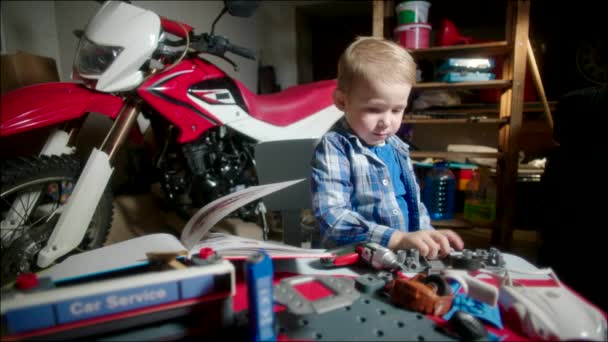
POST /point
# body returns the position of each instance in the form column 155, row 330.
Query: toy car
column 553, row 313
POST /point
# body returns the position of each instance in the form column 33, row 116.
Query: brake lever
column 236, row 67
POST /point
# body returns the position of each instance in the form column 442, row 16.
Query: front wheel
column 32, row 195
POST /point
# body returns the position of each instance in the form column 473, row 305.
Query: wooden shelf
column 481, row 108
column 514, row 47
column 463, row 51
column 456, row 222
column 493, row 84
column 470, row 120
column 448, row 154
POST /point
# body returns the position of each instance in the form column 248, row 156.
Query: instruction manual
column 132, row 252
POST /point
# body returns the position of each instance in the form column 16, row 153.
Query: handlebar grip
column 241, row 51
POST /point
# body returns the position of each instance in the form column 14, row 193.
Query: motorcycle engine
column 218, row 163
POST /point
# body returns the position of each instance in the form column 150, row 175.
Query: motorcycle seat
column 290, row 105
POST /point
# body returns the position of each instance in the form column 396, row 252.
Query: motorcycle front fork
column 79, row 209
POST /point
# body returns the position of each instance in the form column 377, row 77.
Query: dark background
column 558, row 32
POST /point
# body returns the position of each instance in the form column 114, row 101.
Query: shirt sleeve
column 331, row 190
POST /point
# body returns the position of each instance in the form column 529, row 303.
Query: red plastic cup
column 413, row 36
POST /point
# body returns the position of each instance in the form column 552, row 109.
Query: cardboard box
column 22, row 69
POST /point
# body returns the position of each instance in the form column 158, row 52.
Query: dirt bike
column 131, row 62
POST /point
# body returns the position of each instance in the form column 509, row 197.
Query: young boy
column 363, row 184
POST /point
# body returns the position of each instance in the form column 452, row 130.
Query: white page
column 132, row 252
column 120, row 255
column 212, row 213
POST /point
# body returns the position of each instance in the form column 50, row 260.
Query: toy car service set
column 404, row 297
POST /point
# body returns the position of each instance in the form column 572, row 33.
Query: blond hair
column 375, row 58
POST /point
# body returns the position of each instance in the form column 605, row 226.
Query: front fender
column 46, row 104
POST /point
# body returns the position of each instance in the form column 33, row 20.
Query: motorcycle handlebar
column 241, row 51
column 218, row 45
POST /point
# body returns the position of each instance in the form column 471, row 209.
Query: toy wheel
column 467, row 326
column 439, row 283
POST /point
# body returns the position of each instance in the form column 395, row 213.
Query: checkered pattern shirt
column 352, row 195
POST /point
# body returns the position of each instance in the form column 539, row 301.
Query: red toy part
column 26, row 281
column 347, row 259
column 205, row 252
column 448, row 34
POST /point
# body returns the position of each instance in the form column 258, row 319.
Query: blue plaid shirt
column 352, row 195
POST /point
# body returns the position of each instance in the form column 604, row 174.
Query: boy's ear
column 339, row 99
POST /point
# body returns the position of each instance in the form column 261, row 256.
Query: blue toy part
column 259, row 274
column 466, row 76
column 483, row 311
column 467, row 64
column 495, row 338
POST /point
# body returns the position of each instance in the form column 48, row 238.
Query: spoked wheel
column 32, row 196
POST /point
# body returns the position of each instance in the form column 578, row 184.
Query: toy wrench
column 342, row 256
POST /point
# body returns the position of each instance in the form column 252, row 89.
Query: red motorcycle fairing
column 168, row 92
column 46, row 104
column 175, row 27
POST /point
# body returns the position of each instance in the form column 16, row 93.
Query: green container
column 412, row 12
column 406, row 17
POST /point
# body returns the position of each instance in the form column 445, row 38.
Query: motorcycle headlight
column 93, row 59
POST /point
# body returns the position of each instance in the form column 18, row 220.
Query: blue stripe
column 30, row 318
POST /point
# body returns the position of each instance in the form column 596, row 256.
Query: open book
column 236, row 247
column 133, row 252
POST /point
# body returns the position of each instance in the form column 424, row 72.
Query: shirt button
column 385, row 181
column 395, row 211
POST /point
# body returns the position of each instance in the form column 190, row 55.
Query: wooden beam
column 512, row 107
column 453, row 155
column 477, row 50
column 539, row 84
column 378, row 19
column 492, row 84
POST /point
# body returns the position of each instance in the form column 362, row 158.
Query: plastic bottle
column 439, row 192
column 480, row 199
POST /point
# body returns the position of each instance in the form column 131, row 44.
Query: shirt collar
column 350, row 134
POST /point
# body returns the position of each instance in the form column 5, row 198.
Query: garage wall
column 29, row 26
column 277, row 29
column 45, row 28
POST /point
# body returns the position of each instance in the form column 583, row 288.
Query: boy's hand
column 430, row 243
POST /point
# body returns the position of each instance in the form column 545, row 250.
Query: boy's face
column 374, row 109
